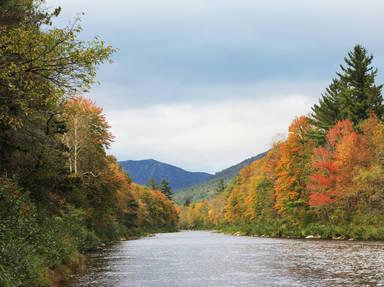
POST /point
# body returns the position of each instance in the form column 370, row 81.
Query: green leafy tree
column 152, row 184
column 40, row 66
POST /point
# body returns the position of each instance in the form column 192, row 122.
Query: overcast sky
column 204, row 84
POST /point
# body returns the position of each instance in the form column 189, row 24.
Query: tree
column 335, row 165
column 369, row 176
column 187, row 202
column 363, row 95
column 40, row 66
column 60, row 193
column 152, row 184
column 166, row 189
column 353, row 95
column 16, row 12
column 293, row 167
column 220, row 187
column 327, row 112
column 88, row 135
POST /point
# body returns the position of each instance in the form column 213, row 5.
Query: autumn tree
column 60, row 193
column 335, row 165
column 216, row 209
column 88, row 135
column 369, row 176
column 220, row 187
column 40, row 65
column 293, row 168
column 235, row 204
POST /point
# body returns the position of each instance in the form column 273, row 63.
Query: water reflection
column 197, row 258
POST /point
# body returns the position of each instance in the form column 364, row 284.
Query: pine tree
column 166, row 189
column 353, row 95
column 363, row 97
column 327, row 112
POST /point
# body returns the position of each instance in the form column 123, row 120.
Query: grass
column 367, row 228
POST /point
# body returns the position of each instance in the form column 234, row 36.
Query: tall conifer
column 352, row 95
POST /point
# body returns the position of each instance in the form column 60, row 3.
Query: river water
column 200, row 258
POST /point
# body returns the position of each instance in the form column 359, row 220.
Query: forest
column 325, row 180
column 61, row 194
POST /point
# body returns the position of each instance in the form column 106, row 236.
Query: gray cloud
column 174, row 53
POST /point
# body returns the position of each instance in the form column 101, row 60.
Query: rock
column 313, row 237
column 338, row 238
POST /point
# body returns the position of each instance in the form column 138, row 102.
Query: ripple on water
column 199, row 258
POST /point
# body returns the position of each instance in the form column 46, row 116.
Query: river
column 200, row 258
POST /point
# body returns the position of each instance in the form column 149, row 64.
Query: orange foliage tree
column 88, row 133
column 369, row 177
column 293, row 167
column 335, row 165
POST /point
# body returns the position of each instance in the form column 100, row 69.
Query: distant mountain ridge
column 185, row 184
column 232, row 171
column 141, row 171
column 207, row 188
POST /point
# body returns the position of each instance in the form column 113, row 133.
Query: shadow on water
column 199, row 258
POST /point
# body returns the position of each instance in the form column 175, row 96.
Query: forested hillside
column 60, row 193
column 141, row 171
column 325, row 180
column 215, row 184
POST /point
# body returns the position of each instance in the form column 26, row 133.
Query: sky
column 205, row 84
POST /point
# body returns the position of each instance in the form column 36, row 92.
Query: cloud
column 216, row 41
column 204, row 136
column 206, row 83
column 149, row 92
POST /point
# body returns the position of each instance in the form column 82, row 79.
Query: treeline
column 60, row 193
column 325, row 180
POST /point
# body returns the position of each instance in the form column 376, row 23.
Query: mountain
column 232, row 171
column 140, row 171
column 207, row 188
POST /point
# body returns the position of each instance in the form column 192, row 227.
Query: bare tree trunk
column 67, row 143
column 76, row 144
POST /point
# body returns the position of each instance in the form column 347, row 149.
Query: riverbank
column 276, row 229
column 360, row 228
column 77, row 264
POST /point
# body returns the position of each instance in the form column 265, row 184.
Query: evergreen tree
column 327, row 112
column 363, row 96
column 166, row 189
column 353, row 95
